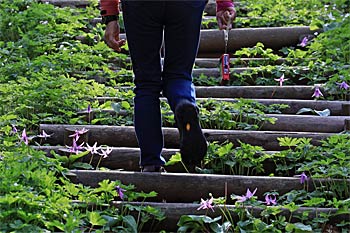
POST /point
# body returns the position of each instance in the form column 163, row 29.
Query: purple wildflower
column 120, row 192
column 270, row 201
column 281, row 79
column 75, row 148
column 89, row 109
column 14, row 129
column 303, row 178
column 44, row 135
column 24, row 137
column 105, row 153
column 343, row 85
column 93, row 149
column 304, row 41
column 77, row 133
column 247, row 196
column 317, row 93
column 206, row 204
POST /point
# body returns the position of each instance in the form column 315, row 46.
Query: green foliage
column 36, row 195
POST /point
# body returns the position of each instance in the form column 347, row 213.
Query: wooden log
column 212, row 40
column 186, row 187
column 215, row 72
column 347, row 125
column 346, row 108
column 121, row 158
column 294, row 105
column 303, row 92
column 68, row 3
column 284, row 122
column 303, row 123
column 124, row 136
column 214, row 62
column 127, row 159
column 174, row 211
column 258, row 92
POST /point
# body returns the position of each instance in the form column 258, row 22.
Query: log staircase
column 178, row 191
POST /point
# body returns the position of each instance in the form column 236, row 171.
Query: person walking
column 148, row 25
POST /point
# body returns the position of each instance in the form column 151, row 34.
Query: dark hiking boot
column 193, row 144
column 153, row 168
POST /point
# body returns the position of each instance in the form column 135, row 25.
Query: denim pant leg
column 181, row 35
column 144, row 31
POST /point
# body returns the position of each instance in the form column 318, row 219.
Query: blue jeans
column 145, row 23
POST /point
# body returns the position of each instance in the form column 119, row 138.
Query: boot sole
column 193, row 144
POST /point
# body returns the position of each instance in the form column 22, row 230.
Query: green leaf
column 96, row 219
column 81, row 165
column 116, row 107
column 300, row 227
column 176, row 158
column 74, row 157
column 125, row 105
column 131, row 223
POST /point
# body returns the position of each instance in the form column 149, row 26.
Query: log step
column 215, row 73
column 284, row 122
column 257, row 92
column 174, row 211
column 121, row 158
column 127, row 158
column 337, row 107
column 214, row 62
column 212, row 40
column 124, row 136
column 196, row 186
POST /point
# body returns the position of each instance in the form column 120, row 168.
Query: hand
column 225, row 18
column 111, row 36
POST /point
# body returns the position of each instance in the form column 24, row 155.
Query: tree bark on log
column 335, row 106
column 185, row 187
column 124, row 136
column 174, row 211
column 284, row 122
column 212, row 40
column 258, row 92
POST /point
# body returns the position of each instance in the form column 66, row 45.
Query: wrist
column 109, row 18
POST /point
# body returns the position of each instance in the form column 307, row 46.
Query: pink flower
column 24, row 137
column 14, row 129
column 44, row 135
column 93, row 149
column 303, row 178
column 206, row 204
column 89, row 109
column 120, row 192
column 317, row 93
column 270, row 201
column 77, row 133
column 247, row 196
column 304, row 42
column 75, row 148
column 281, row 79
column 105, row 153
column 343, row 85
